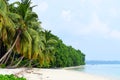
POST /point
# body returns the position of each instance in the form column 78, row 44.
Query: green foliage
column 2, row 65
column 66, row 56
column 61, row 55
column 10, row 77
column 28, row 44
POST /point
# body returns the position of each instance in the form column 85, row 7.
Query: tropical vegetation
column 23, row 42
column 10, row 77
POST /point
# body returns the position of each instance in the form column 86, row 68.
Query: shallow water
column 112, row 71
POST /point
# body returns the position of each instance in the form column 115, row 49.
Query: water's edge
column 110, row 71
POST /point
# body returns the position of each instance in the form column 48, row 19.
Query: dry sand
column 51, row 74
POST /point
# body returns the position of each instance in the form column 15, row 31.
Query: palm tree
column 7, row 28
column 6, row 24
column 28, row 37
column 29, row 42
column 25, row 38
column 49, row 49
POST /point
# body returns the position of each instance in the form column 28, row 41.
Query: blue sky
column 89, row 25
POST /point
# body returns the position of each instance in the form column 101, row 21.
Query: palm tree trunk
column 4, row 61
column 21, row 58
column 30, row 63
column 11, row 47
column 7, row 58
column 13, row 57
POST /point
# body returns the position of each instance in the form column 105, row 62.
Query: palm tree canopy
column 28, row 42
column 7, row 26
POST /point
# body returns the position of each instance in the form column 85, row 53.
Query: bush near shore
column 10, row 77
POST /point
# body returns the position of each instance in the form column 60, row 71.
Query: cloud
column 95, row 26
column 96, row 2
column 66, row 15
column 113, row 12
column 42, row 6
column 91, row 3
column 115, row 34
column 82, row 1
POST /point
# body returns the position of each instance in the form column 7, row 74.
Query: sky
column 93, row 26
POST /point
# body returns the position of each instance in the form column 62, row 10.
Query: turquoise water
column 112, row 71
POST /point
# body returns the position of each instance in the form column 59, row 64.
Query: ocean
column 106, row 70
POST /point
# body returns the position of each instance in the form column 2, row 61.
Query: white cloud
column 42, row 6
column 82, row 1
column 93, row 2
column 115, row 34
column 98, row 26
column 66, row 15
column 113, row 12
column 96, row 2
column 95, row 26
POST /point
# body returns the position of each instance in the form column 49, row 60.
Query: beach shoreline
column 51, row 74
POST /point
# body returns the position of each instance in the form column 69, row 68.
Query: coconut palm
column 24, row 38
column 34, row 29
column 7, row 28
column 6, row 24
column 49, row 49
column 27, row 43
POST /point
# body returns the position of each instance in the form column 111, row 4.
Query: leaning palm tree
column 24, row 38
column 7, row 28
column 6, row 24
column 28, row 26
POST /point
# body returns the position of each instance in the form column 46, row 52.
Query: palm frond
column 29, row 39
column 35, row 43
column 3, row 6
column 4, row 35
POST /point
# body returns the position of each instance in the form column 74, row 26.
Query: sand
column 51, row 74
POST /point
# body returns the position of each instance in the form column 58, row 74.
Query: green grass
column 10, row 77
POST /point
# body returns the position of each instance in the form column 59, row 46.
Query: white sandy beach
column 51, row 74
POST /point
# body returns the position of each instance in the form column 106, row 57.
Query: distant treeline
column 102, row 62
column 66, row 56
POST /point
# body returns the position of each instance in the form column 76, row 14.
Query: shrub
column 10, row 77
